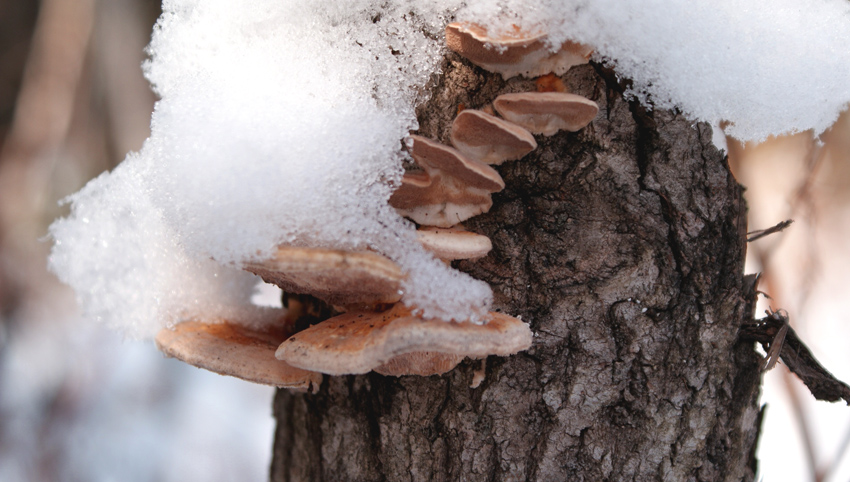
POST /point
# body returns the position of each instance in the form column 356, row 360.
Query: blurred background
column 79, row 403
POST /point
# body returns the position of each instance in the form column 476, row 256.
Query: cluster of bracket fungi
column 376, row 331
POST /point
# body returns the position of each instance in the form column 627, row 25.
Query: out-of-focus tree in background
column 78, row 403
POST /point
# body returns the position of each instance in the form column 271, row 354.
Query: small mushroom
column 547, row 112
column 489, row 139
column 479, row 374
column 357, row 342
column 454, row 243
column 235, row 350
column 550, row 83
column 451, row 189
column 520, row 53
column 338, row 277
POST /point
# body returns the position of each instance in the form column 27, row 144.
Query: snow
column 768, row 67
column 283, row 123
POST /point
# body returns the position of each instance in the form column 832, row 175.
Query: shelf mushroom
column 451, row 189
column 338, row 277
column 489, row 139
column 358, row 342
column 454, row 185
column 518, row 53
column 454, row 243
column 547, row 112
column 235, row 350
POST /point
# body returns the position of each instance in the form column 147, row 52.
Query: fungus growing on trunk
column 489, row 139
column 235, row 350
column 452, row 189
column 335, row 276
column 517, row 53
column 422, row 363
column 454, row 243
column 546, row 112
column 360, row 341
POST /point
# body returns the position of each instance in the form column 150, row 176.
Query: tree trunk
column 623, row 246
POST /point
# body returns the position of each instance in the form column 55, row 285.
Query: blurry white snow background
column 79, row 402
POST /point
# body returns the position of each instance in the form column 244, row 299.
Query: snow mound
column 282, row 123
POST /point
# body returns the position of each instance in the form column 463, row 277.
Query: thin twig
column 756, row 235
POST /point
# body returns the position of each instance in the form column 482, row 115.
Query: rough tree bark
column 623, row 246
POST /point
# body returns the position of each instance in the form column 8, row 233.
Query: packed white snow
column 766, row 66
column 281, row 122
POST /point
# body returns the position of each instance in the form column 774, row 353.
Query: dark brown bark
column 623, row 246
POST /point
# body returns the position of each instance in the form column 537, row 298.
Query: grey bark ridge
column 623, row 246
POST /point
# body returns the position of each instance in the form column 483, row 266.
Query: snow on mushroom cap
column 769, row 67
column 514, row 52
column 256, row 144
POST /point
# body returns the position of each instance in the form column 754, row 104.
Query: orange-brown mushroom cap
column 357, row 342
column 433, row 156
column 337, row 277
column 235, row 350
column 520, row 53
column 454, row 243
column 547, row 112
column 451, row 189
column 489, row 139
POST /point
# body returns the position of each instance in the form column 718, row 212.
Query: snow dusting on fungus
column 281, row 124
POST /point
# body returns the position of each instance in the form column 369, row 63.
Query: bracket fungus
column 547, row 112
column 454, row 184
column 454, row 243
column 489, row 139
column 360, row 341
column 422, row 363
column 452, row 188
column 516, row 53
column 337, row 277
column 235, row 350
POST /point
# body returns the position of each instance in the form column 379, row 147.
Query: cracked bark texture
column 623, row 246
